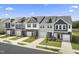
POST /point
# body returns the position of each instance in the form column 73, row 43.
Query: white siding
column 43, row 31
column 69, row 30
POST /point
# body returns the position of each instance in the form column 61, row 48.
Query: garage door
column 29, row 33
column 66, row 37
column 42, row 34
column 18, row 32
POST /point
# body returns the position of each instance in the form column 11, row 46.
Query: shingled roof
column 40, row 19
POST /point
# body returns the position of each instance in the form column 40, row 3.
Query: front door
column 12, row 32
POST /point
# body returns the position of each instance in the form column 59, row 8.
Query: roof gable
column 60, row 21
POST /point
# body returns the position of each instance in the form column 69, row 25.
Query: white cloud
column 32, row 13
column 9, row 8
column 72, row 10
column 74, row 7
column 6, row 14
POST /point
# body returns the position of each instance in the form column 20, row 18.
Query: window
column 50, row 26
column 7, row 25
column 12, row 25
column 43, row 26
column 47, row 26
column 56, row 26
column 28, row 25
column 64, row 27
column 20, row 26
column 69, row 26
column 34, row 25
column 60, row 27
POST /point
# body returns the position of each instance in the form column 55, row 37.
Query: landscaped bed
column 30, row 39
column 4, row 36
column 15, row 38
column 21, row 43
column 6, row 41
column 51, row 43
column 75, row 40
column 52, row 49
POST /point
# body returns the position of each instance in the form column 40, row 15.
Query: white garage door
column 29, row 33
column 8, row 31
column 18, row 32
column 66, row 37
column 42, row 34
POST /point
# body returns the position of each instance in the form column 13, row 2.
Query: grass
column 75, row 40
column 51, row 43
column 5, row 36
column 30, row 39
column 15, row 38
column 6, row 41
column 77, row 52
column 75, row 28
column 52, row 49
column 21, row 43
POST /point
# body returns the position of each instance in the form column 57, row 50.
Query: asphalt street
column 13, row 49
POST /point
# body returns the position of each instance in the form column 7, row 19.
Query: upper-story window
column 20, row 26
column 50, row 26
column 7, row 25
column 43, row 26
column 64, row 26
column 34, row 25
column 12, row 25
column 56, row 26
column 69, row 26
column 47, row 26
column 60, row 26
column 28, row 25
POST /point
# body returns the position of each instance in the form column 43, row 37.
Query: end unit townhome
column 41, row 26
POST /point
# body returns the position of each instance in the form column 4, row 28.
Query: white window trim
column 61, row 26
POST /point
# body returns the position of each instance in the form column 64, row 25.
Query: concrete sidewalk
column 35, row 43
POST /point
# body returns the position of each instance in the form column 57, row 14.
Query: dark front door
column 23, row 33
column 12, row 32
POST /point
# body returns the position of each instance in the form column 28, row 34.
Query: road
column 12, row 49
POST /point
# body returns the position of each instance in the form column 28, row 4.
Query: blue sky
column 14, row 10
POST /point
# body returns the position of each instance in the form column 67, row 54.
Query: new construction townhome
column 41, row 26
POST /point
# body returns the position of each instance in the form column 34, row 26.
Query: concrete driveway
column 66, row 47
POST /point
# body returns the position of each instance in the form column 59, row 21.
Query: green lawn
column 30, row 39
column 51, row 43
column 15, row 38
column 52, row 49
column 75, row 28
column 75, row 40
column 5, row 36
column 21, row 43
